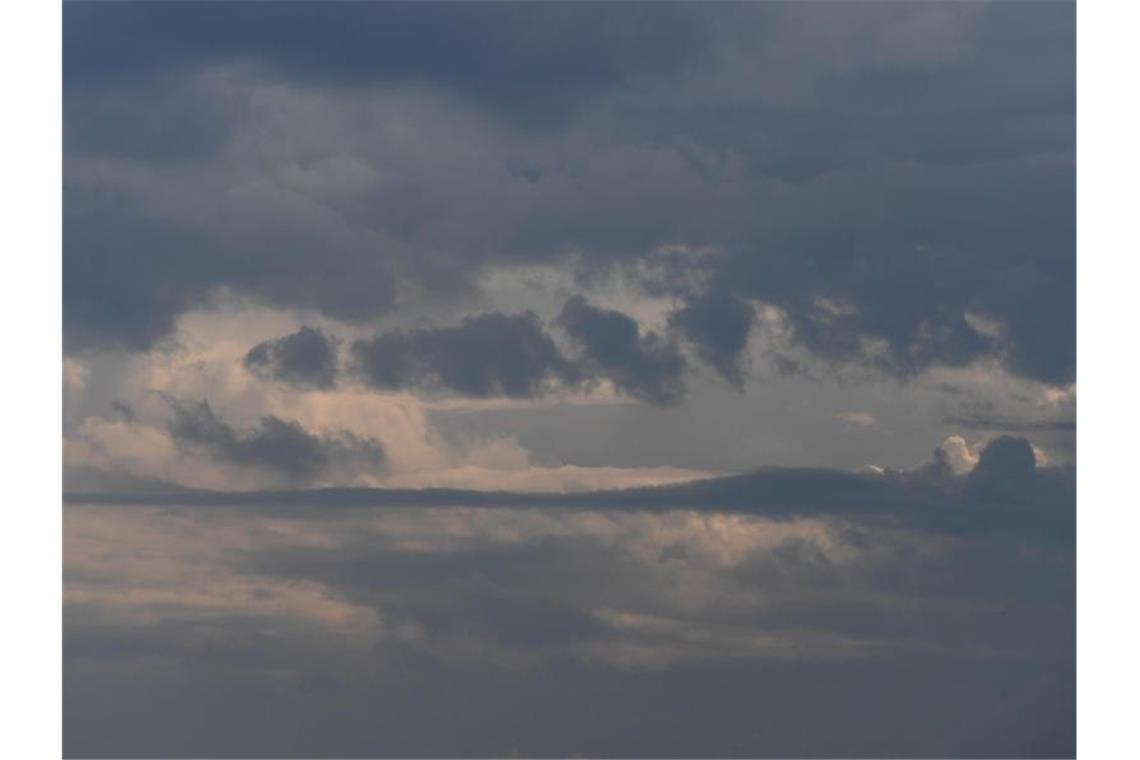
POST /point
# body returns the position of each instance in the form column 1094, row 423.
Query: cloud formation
column 909, row 165
column 645, row 366
column 306, row 357
column 282, row 446
column 273, row 605
column 486, row 355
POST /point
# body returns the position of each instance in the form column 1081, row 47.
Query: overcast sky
column 818, row 257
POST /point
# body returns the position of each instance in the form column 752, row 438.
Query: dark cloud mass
column 533, row 62
column 718, row 325
column 645, row 366
column 913, row 163
column 282, row 446
column 306, row 357
column 487, row 355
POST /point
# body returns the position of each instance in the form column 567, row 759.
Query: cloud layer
column 779, row 589
column 877, row 174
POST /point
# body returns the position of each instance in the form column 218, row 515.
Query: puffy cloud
column 306, row 357
column 486, row 355
column 718, row 324
column 645, row 366
column 957, row 454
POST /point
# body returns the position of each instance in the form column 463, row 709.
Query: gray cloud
column 893, row 184
column 645, row 366
column 533, row 65
column 718, row 326
column 941, row 617
column 985, row 416
column 1006, row 494
column 912, row 162
column 306, row 357
column 486, row 355
column 278, row 445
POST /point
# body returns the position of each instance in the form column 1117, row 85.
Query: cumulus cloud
column 956, row 454
column 718, row 326
column 486, row 355
column 645, row 366
column 306, row 357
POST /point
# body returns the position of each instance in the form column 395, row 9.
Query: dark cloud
column 912, row 163
column 126, row 277
column 494, row 354
column 307, row 358
column 129, row 273
column 533, row 64
column 645, row 366
column 281, row 446
column 718, row 325
column 486, row 355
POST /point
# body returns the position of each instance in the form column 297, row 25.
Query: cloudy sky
column 569, row 379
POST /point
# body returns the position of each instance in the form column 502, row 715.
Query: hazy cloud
column 276, row 444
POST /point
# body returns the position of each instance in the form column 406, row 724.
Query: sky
column 569, row 379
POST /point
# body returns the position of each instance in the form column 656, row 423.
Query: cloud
column 645, row 366
column 532, row 65
column 306, row 357
column 719, row 328
column 487, row 355
column 784, row 157
column 232, row 612
column 985, row 418
column 956, row 454
column 279, row 445
column 1003, row 493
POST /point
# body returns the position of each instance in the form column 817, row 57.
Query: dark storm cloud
column 645, row 366
column 486, row 355
column 306, row 357
column 282, row 446
column 907, row 163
